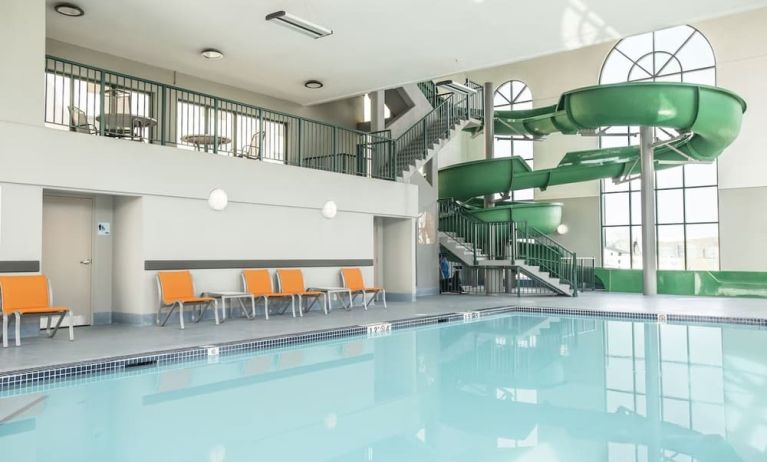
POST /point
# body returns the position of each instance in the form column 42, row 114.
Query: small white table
column 205, row 141
column 329, row 291
column 233, row 295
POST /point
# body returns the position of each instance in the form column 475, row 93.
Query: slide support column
column 489, row 126
column 649, row 252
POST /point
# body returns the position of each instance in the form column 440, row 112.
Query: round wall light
column 69, row 9
column 218, row 200
column 313, row 84
column 562, row 229
column 211, row 53
column 329, row 210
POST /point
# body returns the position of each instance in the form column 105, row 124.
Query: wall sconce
column 329, row 210
column 218, row 200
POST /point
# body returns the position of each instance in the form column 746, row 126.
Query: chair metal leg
column 58, row 324
column 383, row 297
column 180, row 313
column 327, row 301
column 266, row 308
column 18, row 328
column 365, row 300
column 215, row 310
column 293, row 304
column 5, row 330
column 71, row 326
column 48, row 325
column 300, row 306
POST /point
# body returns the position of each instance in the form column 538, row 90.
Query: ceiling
column 375, row 45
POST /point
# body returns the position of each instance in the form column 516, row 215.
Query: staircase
column 511, row 245
column 451, row 114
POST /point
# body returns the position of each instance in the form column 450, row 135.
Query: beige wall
column 22, row 31
column 741, row 66
column 21, row 221
column 346, row 112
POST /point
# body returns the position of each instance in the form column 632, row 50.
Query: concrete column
column 399, row 249
column 649, row 253
column 377, row 112
column 489, row 126
column 22, row 29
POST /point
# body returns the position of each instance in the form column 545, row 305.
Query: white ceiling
column 376, row 44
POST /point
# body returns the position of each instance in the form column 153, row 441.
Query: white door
column 67, row 247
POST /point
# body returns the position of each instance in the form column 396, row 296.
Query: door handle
column 87, row 261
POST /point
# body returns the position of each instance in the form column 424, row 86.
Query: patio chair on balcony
column 253, row 150
column 78, row 121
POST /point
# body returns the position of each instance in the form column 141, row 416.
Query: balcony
column 98, row 102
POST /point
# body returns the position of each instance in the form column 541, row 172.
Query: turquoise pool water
column 511, row 388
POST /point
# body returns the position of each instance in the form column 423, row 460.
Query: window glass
column 514, row 95
column 686, row 196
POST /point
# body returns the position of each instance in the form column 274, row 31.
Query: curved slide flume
column 707, row 118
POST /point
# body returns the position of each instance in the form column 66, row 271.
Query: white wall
column 22, row 31
column 21, row 221
column 274, row 211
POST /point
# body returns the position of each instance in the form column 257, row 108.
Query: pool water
column 513, row 388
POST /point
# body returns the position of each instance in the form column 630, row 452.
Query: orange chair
column 176, row 289
column 258, row 283
column 30, row 295
column 291, row 282
column 352, row 279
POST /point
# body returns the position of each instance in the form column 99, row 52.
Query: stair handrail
column 544, row 251
column 440, row 121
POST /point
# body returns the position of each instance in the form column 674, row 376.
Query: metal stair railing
column 537, row 249
column 510, row 241
column 414, row 144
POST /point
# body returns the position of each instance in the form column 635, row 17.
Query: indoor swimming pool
column 521, row 388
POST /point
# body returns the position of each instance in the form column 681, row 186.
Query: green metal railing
column 429, row 90
column 414, row 144
column 510, row 241
column 96, row 101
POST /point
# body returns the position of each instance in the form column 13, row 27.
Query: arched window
column 687, row 211
column 514, row 95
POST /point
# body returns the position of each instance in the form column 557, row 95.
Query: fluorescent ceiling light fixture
column 69, row 9
column 299, row 25
column 210, row 53
column 313, row 84
column 456, row 87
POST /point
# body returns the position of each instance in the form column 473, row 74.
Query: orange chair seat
column 368, row 289
column 40, row 309
column 191, row 300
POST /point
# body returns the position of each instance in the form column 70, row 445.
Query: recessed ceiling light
column 210, row 53
column 69, row 9
column 313, row 84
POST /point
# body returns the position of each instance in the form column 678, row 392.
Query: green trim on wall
column 698, row 283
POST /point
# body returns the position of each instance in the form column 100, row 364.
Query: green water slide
column 708, row 119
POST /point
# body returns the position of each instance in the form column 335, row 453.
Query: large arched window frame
column 687, row 211
column 514, row 95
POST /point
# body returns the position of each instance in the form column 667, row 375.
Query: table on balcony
column 123, row 125
column 205, row 141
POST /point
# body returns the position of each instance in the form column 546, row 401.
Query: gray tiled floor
column 116, row 340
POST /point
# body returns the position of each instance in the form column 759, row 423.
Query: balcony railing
column 99, row 102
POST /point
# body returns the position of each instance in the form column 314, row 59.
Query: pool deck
column 101, row 342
